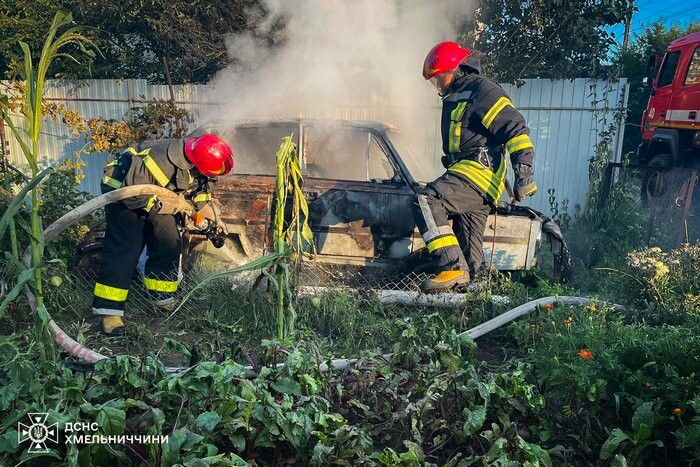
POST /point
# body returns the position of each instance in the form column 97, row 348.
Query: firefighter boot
column 113, row 325
column 444, row 281
column 166, row 304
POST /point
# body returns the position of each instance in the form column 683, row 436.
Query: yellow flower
column 591, row 308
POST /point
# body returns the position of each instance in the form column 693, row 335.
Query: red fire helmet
column 444, row 57
column 210, row 154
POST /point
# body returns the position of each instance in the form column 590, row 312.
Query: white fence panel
column 566, row 118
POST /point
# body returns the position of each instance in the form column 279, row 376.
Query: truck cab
column 670, row 128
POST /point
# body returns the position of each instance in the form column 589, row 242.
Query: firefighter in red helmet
column 185, row 167
column 479, row 127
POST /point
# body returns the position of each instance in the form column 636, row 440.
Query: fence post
column 683, row 235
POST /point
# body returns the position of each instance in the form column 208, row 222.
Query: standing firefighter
column 479, row 123
column 184, row 167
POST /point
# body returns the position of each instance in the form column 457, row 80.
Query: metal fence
column 670, row 198
column 568, row 120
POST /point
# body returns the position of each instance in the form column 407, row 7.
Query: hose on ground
column 54, row 230
column 85, row 354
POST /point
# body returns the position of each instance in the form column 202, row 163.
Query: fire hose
column 90, row 356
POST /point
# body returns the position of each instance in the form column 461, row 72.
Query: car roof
column 253, row 122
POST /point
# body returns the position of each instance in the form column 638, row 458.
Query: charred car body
column 359, row 190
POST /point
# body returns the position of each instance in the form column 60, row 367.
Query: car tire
column 655, row 179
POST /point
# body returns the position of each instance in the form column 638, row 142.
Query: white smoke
column 359, row 60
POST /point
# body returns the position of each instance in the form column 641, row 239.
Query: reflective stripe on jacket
column 478, row 122
column 162, row 163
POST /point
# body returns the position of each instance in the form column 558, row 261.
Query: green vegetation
column 560, row 386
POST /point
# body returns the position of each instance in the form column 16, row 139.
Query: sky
column 650, row 11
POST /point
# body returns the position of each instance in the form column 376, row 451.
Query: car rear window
column 255, row 147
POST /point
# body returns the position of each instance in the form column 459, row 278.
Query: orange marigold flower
column 533, row 326
column 585, row 354
column 549, row 306
column 677, row 411
column 568, row 321
column 648, row 385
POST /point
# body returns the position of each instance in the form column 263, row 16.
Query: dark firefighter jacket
column 478, row 122
column 161, row 163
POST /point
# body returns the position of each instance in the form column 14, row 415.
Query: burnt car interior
column 341, row 153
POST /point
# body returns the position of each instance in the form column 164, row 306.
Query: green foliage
column 34, row 76
column 159, row 119
column 144, row 40
column 544, row 39
column 611, row 384
column 291, row 230
column 373, row 414
column 689, row 435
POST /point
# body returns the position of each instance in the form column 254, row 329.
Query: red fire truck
column 671, row 121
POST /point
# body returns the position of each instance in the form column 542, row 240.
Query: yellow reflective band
column 518, row 143
column 150, row 204
column 456, row 126
column 202, row 198
column 491, row 183
column 109, row 181
column 134, row 152
column 493, row 112
column 442, row 242
column 110, row 293
column 160, row 286
column 157, row 173
column 110, row 164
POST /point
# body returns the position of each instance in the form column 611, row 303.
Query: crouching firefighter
column 479, row 124
column 186, row 167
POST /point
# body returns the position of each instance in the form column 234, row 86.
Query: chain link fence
column 670, row 197
column 333, row 302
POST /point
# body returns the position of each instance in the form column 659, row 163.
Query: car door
column 359, row 199
column 246, row 196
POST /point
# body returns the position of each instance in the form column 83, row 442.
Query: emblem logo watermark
column 39, row 431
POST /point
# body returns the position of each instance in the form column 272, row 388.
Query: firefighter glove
column 524, row 182
column 177, row 205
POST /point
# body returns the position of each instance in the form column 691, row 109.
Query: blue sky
column 678, row 11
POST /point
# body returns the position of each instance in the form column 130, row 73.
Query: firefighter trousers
column 127, row 233
column 451, row 197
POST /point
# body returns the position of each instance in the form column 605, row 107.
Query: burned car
column 359, row 191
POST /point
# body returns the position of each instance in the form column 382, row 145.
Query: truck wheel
column 655, row 180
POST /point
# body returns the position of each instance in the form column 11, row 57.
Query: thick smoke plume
column 357, row 60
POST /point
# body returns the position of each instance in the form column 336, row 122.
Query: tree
column 543, row 38
column 632, row 64
column 182, row 41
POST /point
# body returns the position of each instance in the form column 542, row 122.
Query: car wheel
column 655, row 182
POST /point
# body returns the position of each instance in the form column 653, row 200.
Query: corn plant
column 289, row 234
column 29, row 143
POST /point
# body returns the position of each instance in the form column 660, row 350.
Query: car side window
column 668, row 69
column 255, row 147
column 693, row 75
column 345, row 154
